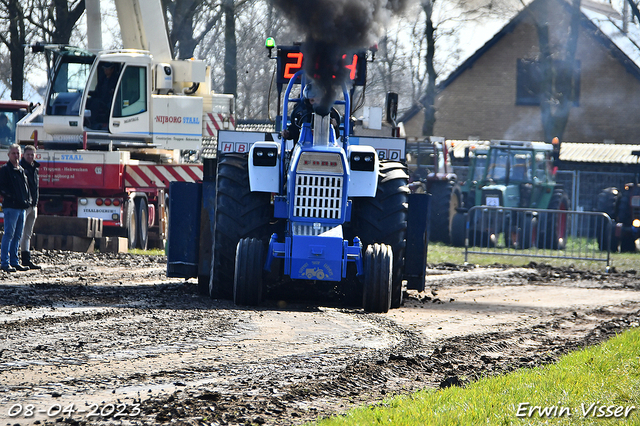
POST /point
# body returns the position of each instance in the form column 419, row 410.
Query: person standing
column 30, row 166
column 16, row 199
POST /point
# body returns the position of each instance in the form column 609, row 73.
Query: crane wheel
column 142, row 222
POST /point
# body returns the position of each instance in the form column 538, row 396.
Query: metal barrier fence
column 582, row 186
column 562, row 234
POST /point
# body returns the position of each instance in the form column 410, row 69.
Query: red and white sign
column 151, row 176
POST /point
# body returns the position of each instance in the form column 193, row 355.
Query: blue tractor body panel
column 316, row 205
column 317, row 257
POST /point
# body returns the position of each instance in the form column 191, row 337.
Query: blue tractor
column 322, row 209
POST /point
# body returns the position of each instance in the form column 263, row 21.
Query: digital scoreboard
column 291, row 59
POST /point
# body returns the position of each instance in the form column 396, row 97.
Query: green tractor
column 512, row 175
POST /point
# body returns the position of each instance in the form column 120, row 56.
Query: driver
column 303, row 112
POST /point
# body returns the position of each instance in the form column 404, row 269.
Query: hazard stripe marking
column 161, row 176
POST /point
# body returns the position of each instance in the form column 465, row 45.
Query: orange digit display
column 292, row 67
column 352, row 67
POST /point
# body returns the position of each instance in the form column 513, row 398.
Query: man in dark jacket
column 30, row 166
column 16, row 199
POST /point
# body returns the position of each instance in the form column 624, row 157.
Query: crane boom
column 94, row 26
column 143, row 27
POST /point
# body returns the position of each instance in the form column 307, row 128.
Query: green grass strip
column 595, row 386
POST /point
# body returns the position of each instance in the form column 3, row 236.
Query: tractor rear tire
column 247, row 283
column 383, row 219
column 607, row 203
column 458, row 230
column 554, row 226
column 440, row 220
column 239, row 213
column 378, row 261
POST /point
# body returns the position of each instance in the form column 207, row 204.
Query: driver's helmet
column 310, row 91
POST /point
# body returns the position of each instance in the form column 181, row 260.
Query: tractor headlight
column 364, row 162
column 265, row 156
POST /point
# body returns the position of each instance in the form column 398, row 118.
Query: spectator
column 15, row 191
column 30, row 166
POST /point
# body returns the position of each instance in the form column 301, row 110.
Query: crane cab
column 122, row 94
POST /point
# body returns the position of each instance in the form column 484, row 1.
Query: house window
column 529, row 81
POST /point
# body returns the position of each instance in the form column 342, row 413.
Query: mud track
column 108, row 339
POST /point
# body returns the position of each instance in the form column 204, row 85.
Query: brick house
column 483, row 97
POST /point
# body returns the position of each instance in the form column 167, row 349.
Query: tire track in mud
column 399, row 370
column 191, row 360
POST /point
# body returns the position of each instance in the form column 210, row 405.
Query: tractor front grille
column 310, row 230
column 318, row 196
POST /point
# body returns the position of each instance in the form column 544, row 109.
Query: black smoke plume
column 332, row 29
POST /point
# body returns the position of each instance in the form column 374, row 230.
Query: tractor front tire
column 383, row 219
column 554, row 226
column 247, row 283
column 378, row 261
column 239, row 213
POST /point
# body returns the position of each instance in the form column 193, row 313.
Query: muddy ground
column 109, row 339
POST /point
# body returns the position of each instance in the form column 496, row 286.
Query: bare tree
column 255, row 20
column 190, row 22
column 230, row 48
column 14, row 37
column 56, row 19
column 428, row 101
